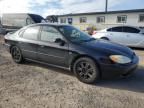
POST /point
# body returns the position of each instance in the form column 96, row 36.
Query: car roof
column 43, row 24
column 125, row 26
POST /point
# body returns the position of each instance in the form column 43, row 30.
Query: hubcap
column 85, row 70
column 16, row 53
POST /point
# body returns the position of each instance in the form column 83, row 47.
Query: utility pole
column 106, row 6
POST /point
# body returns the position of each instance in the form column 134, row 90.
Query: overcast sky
column 50, row 7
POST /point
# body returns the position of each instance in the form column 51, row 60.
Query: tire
column 86, row 71
column 105, row 38
column 17, row 55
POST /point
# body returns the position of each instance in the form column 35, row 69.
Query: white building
column 104, row 19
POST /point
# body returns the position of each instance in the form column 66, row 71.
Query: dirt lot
column 32, row 85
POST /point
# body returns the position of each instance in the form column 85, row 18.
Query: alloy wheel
column 85, row 70
column 16, row 54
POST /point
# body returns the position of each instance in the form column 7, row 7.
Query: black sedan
column 67, row 47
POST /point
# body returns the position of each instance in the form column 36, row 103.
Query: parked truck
column 15, row 21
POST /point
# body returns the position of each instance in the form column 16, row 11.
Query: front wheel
column 86, row 70
column 16, row 54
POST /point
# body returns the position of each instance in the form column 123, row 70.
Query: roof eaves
column 109, row 12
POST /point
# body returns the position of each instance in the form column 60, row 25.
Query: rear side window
column 130, row 30
column 21, row 33
column 115, row 29
column 31, row 33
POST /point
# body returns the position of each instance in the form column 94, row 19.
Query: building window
column 141, row 18
column 83, row 19
column 62, row 20
column 122, row 19
column 101, row 19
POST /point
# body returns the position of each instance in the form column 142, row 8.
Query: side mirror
column 60, row 41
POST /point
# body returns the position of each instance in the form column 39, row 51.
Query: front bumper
column 112, row 70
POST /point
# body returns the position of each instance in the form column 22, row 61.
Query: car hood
column 109, row 47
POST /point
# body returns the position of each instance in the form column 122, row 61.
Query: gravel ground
column 33, row 85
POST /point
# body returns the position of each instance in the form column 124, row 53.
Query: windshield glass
column 37, row 18
column 75, row 35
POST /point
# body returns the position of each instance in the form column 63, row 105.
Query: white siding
column 110, row 20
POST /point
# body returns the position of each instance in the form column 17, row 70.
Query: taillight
column 5, row 40
column 94, row 32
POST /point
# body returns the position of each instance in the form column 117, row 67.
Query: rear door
column 49, row 50
column 29, row 42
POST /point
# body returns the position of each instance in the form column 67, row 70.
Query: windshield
column 37, row 18
column 75, row 35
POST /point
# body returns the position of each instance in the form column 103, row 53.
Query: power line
column 106, row 6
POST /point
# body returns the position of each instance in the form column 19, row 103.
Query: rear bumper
column 7, row 46
column 112, row 70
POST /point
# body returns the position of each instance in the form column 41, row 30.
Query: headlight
column 120, row 59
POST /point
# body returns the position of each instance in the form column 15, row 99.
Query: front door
column 116, row 35
column 49, row 50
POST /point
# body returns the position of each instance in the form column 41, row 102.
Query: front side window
column 115, row 29
column 62, row 20
column 31, row 33
column 141, row 18
column 101, row 19
column 50, row 34
column 83, row 19
column 122, row 19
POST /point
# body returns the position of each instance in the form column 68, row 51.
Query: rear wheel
column 86, row 70
column 105, row 38
column 16, row 54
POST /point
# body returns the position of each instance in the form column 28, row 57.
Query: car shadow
column 134, row 83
